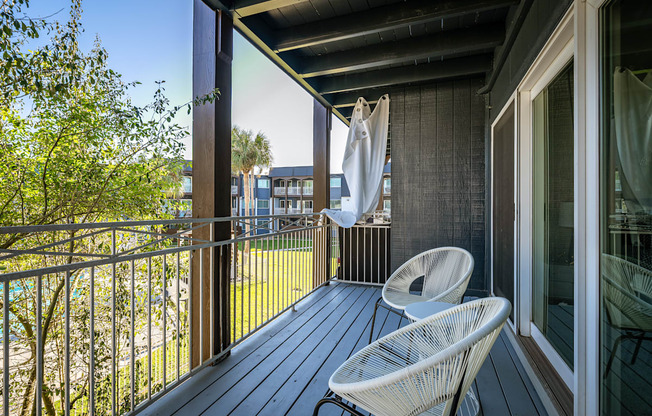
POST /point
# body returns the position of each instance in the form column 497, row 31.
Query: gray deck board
column 285, row 367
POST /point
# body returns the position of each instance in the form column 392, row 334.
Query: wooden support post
column 212, row 55
column 321, row 156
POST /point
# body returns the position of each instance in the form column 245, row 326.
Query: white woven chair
column 446, row 272
column 425, row 368
column 627, row 290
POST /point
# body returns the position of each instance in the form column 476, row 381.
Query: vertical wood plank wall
column 438, row 171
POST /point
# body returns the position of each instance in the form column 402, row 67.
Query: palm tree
column 249, row 152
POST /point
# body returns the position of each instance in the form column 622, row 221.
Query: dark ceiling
column 339, row 50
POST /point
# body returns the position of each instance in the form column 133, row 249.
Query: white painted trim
column 555, row 55
column 553, row 356
column 587, row 209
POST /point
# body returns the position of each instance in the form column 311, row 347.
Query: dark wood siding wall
column 438, row 171
column 542, row 18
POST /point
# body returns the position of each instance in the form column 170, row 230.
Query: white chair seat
column 399, row 299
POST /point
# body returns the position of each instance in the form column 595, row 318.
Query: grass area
column 141, row 380
column 266, row 285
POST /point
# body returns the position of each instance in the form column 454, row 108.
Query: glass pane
column 626, row 198
column 552, row 308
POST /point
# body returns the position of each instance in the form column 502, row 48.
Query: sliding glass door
column 553, row 236
column 626, row 208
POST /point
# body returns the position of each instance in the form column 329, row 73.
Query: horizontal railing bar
column 16, row 253
column 166, row 237
column 56, row 243
column 87, row 226
column 119, row 259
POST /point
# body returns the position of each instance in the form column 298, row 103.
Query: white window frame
column 259, row 180
column 258, row 201
column 555, row 55
column 339, row 179
column 587, row 209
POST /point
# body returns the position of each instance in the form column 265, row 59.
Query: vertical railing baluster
column 67, row 345
column 5, row 345
column 164, row 303
column 149, row 327
column 364, row 251
column 91, row 345
column 201, row 306
column 242, row 287
column 386, row 253
column 132, row 338
column 189, row 303
column 39, row 345
column 248, row 287
column 113, row 326
column 211, row 292
column 267, row 315
column 277, row 290
column 178, row 319
column 255, row 241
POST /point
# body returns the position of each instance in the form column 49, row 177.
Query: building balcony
column 281, row 342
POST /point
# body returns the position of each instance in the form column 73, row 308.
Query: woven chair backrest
column 441, row 269
column 627, row 290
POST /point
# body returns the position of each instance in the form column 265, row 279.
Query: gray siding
column 541, row 20
column 438, row 171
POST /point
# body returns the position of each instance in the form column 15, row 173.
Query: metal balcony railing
column 122, row 312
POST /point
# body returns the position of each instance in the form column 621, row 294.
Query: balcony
column 292, row 191
column 284, row 368
column 287, row 330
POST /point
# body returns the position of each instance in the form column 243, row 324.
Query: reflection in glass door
column 626, row 209
column 553, row 279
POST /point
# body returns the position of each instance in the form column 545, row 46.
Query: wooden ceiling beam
column 392, row 16
column 348, row 99
column 451, row 68
column 478, row 39
column 244, row 8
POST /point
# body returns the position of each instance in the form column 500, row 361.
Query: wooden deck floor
column 285, row 367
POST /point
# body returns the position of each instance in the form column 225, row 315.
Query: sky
column 151, row 40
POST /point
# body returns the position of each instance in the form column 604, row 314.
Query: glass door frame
column 555, row 56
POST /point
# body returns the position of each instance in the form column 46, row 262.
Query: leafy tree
column 247, row 153
column 73, row 149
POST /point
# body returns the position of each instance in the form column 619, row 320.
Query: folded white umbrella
column 364, row 160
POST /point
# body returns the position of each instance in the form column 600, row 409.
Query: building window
column 336, row 183
column 387, row 185
column 263, row 183
column 336, row 203
column 387, row 205
column 187, row 184
column 281, row 203
column 263, row 204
